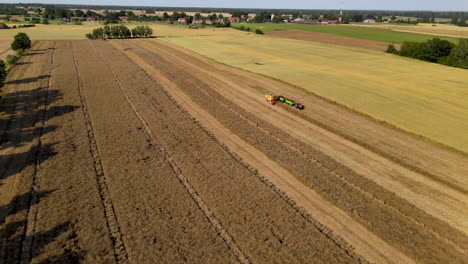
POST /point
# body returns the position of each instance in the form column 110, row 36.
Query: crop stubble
column 264, row 226
column 388, row 216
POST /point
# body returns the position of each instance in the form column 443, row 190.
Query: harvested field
column 137, row 151
column 401, row 92
column 332, row 39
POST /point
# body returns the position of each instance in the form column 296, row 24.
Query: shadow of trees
column 21, row 126
column 14, row 233
column 21, row 116
column 28, row 80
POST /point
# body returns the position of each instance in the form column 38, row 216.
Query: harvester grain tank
column 273, row 99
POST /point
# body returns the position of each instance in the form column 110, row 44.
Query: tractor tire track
column 120, row 252
column 171, row 163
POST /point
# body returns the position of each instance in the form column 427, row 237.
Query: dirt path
column 187, row 79
column 332, row 39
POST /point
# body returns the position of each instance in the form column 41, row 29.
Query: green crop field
column 423, row 98
column 370, row 33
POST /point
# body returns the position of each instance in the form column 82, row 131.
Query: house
column 298, row 20
column 123, row 18
column 182, row 20
column 369, row 20
column 219, row 20
column 197, row 22
column 333, row 21
column 234, row 19
column 13, row 19
column 325, row 21
column 91, row 19
column 208, row 22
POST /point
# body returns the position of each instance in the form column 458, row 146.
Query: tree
column 21, row 42
column 198, row 16
column 259, row 32
column 434, row 49
column 391, row 49
column 11, row 59
column 358, row 18
column 2, row 71
column 459, row 55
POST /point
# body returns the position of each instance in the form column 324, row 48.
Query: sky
column 433, row 5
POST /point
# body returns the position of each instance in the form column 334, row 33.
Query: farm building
column 197, row 22
column 123, row 18
column 208, row 22
column 182, row 20
column 219, row 20
column 234, row 19
column 91, row 19
column 298, row 20
column 369, row 20
column 13, row 19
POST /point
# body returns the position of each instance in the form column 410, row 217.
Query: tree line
column 120, row 31
column 20, row 44
column 435, row 50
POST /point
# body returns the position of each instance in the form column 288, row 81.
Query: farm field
column 177, row 158
column 373, row 32
column 406, row 93
column 428, row 29
column 333, row 39
column 76, row 32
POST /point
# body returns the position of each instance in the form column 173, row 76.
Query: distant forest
column 9, row 9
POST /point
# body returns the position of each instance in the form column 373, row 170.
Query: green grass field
column 423, row 98
column 370, row 33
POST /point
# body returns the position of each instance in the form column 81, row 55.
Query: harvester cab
column 271, row 98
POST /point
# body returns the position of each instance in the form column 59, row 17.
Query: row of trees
column 120, row 31
column 435, row 50
column 21, row 42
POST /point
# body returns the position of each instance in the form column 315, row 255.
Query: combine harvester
column 273, row 99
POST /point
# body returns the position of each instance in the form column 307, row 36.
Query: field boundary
column 120, row 252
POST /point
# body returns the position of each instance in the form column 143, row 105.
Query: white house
column 369, row 20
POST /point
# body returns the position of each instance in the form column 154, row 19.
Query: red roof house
column 234, row 19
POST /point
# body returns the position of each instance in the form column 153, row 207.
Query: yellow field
column 71, row 32
column 420, row 97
